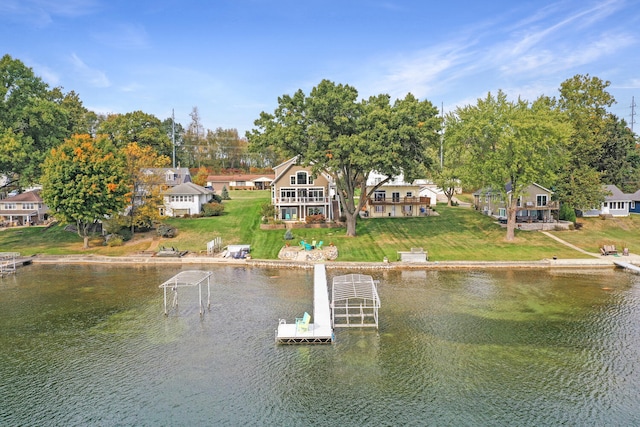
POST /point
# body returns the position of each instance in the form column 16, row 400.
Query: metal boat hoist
column 8, row 263
column 354, row 301
column 188, row 278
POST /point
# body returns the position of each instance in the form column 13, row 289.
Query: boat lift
column 188, row 278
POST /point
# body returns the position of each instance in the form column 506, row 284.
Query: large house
column 23, row 209
column 185, row 199
column 240, row 182
column 395, row 198
column 616, row 203
column 535, row 204
column 169, row 177
column 296, row 193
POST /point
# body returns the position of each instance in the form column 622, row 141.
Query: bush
column 216, row 198
column 212, row 209
column 165, row 230
column 567, row 213
column 268, row 210
column 315, row 219
column 225, row 193
column 114, row 240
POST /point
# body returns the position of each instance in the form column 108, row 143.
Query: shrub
column 165, row 230
column 216, row 198
column 212, row 209
column 268, row 210
column 567, row 213
column 114, row 240
column 315, row 219
column 225, row 193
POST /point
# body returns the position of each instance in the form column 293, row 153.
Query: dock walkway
column 318, row 332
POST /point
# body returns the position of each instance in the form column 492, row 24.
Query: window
column 379, row 209
column 28, row 206
column 315, row 211
column 633, row 205
column 395, row 197
column 379, row 195
column 502, row 212
column 409, row 194
column 541, row 200
column 292, row 180
column 288, row 193
column 9, row 206
column 179, row 199
column 316, row 194
column 301, row 178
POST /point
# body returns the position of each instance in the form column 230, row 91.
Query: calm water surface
column 89, row 345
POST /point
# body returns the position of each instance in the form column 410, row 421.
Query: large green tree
column 84, row 182
column 509, row 145
column 584, row 100
column 333, row 132
column 139, row 127
column 32, row 121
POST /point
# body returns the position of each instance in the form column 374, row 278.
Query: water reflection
column 90, row 345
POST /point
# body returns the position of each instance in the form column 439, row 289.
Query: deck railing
column 399, row 201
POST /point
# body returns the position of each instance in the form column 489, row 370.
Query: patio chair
column 319, row 245
column 313, row 244
column 307, row 247
column 302, row 323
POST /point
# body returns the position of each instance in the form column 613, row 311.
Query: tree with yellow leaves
column 83, row 182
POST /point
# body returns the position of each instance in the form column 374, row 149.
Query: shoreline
column 397, row 265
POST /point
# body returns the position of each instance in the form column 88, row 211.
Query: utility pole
column 633, row 112
column 441, row 135
column 173, row 136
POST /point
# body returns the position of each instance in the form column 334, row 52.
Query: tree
column 617, row 163
column 332, row 132
column 145, row 195
column 83, row 181
column 143, row 128
column 32, row 121
column 225, row 193
column 584, row 100
column 509, row 145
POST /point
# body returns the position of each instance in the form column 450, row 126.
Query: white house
column 616, row 203
column 185, row 199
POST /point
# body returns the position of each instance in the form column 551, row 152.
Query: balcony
column 399, row 201
column 301, row 201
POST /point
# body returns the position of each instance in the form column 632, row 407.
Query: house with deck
column 535, row 204
column 23, row 209
column 296, row 193
column 240, row 182
column 395, row 198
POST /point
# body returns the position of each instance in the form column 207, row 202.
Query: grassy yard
column 457, row 233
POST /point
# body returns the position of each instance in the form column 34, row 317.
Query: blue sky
column 234, row 58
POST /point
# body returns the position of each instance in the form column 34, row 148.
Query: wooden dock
column 627, row 265
column 318, row 332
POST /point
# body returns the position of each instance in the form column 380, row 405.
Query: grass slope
column 456, row 234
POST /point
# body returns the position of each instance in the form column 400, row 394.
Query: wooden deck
column 320, row 330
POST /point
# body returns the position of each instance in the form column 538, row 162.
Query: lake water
column 90, row 345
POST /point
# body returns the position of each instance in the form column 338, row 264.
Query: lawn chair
column 307, row 247
column 302, row 323
column 313, row 244
column 319, row 245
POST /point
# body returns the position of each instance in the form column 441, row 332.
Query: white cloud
column 92, row 76
column 124, row 36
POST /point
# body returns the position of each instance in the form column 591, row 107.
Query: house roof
column 29, row 196
column 180, row 175
column 616, row 194
column 189, row 188
column 245, row 177
column 489, row 191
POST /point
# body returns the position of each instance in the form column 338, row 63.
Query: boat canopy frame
column 354, row 301
column 188, row 278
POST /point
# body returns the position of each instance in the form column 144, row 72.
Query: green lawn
column 456, row 234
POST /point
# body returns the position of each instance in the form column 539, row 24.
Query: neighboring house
column 240, row 182
column 535, row 204
column 169, row 177
column 185, row 199
column 296, row 193
column 23, row 209
column 395, row 198
column 616, row 203
column 634, row 206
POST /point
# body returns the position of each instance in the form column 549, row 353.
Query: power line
column 633, row 112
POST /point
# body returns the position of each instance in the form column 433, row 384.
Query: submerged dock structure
column 314, row 329
column 8, row 263
column 188, row 278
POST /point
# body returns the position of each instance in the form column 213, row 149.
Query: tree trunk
column 86, row 242
column 511, row 223
column 351, row 223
